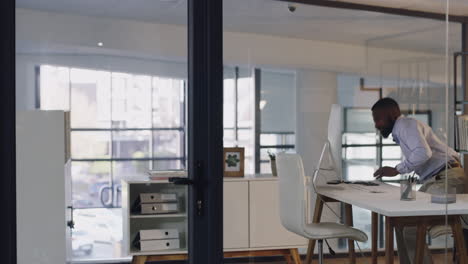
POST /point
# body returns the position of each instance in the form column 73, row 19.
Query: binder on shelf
column 159, row 208
column 158, row 197
column 155, row 245
column 151, row 234
column 156, row 203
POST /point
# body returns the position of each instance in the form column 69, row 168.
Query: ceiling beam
column 380, row 9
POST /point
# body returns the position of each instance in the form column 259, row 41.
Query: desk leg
column 316, row 219
column 374, row 232
column 389, row 240
column 459, row 239
column 349, row 222
column 420, row 243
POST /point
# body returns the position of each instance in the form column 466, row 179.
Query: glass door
column 111, row 103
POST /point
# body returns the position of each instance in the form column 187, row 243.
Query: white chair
column 294, row 205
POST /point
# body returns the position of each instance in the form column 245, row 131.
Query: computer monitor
column 335, row 130
column 329, row 165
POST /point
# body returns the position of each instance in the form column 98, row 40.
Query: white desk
column 385, row 200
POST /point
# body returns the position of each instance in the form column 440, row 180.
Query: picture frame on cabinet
column 233, row 159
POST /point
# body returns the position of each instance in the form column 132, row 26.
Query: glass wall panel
column 120, row 70
column 305, row 58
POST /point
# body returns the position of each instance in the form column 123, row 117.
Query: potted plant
column 272, row 163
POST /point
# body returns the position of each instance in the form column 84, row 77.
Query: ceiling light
column 100, row 44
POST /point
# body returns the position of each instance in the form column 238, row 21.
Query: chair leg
column 320, row 251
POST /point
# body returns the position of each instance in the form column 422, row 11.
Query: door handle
column 181, row 181
column 71, row 223
column 195, row 184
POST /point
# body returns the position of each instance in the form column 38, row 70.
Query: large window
column 238, row 113
column 122, row 125
column 272, row 116
column 277, row 106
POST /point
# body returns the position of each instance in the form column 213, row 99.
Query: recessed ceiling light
column 100, row 44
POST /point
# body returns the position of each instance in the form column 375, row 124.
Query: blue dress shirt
column 423, row 151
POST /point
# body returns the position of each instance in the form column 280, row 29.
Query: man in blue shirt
column 424, row 154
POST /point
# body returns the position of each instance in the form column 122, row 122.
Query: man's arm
column 413, row 138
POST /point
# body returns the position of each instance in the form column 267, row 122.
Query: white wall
column 350, row 95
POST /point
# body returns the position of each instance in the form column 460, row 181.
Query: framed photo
column 233, row 159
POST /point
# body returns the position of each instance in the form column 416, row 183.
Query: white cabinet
column 236, row 215
column 266, row 229
column 251, row 215
column 42, row 168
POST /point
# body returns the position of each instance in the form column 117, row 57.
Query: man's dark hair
column 386, row 103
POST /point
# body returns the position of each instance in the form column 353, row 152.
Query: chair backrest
column 292, row 195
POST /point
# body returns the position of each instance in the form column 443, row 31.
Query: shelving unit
column 134, row 222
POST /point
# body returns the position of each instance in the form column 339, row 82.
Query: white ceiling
column 273, row 18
